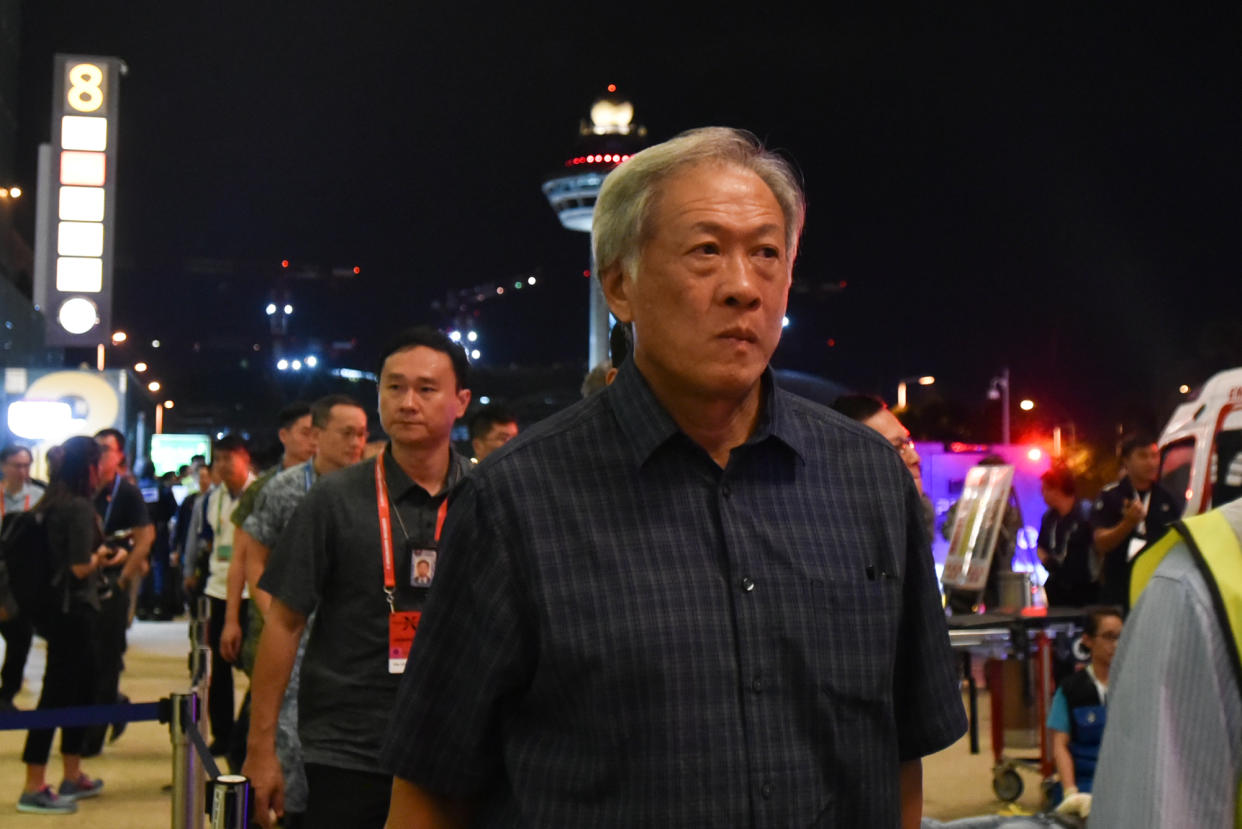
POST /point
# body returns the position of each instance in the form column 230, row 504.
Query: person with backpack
column 66, row 615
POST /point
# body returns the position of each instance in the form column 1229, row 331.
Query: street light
column 119, row 337
column 140, row 367
column 154, row 385
column 1026, row 405
column 999, row 390
column 924, row 380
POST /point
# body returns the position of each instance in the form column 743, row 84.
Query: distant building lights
column 140, row 367
column 1035, row 454
column 357, row 270
column 473, row 336
column 312, row 361
column 1026, row 405
column 474, row 355
column 282, row 365
column 500, row 290
column 154, row 385
column 288, row 309
column 15, row 192
column 455, row 336
column 270, row 309
column 119, row 337
column 296, row 365
column 1184, row 389
column 155, row 343
column 485, row 400
column 784, row 322
column 168, row 404
column 284, row 263
column 530, row 281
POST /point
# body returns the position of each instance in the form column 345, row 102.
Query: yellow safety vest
column 1217, row 552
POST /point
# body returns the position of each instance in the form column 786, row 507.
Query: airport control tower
column 608, row 139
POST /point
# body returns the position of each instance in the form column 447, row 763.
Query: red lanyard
column 385, row 525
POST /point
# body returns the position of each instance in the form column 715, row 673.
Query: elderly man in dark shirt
column 691, row 599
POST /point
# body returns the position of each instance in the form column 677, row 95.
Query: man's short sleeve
column 300, row 561
column 926, row 695
column 474, row 652
column 246, row 503
column 130, row 510
column 261, row 523
column 1058, row 713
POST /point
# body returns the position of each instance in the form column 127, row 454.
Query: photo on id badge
column 422, row 567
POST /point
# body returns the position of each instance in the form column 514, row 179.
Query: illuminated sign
column 77, row 201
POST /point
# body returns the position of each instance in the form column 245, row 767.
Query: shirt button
column 766, row 791
column 747, row 584
column 725, row 491
column 757, row 684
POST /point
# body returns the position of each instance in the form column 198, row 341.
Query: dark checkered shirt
column 623, row 634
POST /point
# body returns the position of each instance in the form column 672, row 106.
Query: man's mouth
column 743, row 334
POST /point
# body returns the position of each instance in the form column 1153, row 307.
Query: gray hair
column 623, row 209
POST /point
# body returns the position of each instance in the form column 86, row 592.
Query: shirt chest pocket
column 856, row 630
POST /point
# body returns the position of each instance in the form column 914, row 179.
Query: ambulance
column 1201, row 447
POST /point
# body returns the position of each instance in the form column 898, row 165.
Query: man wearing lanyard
column 231, row 458
column 122, row 509
column 340, row 425
column 1128, row 514
column 348, row 555
column 19, row 496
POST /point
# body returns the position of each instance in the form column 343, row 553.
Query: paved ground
column 137, row 767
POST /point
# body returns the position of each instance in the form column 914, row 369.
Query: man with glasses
column 874, row 412
column 20, row 494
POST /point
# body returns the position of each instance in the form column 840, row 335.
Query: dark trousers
column 112, row 620
column 220, row 692
column 69, row 680
column 17, row 634
column 344, row 797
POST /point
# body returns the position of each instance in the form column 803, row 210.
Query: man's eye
column 710, row 248
column 770, row 252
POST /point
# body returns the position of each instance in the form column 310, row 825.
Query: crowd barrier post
column 188, row 802
column 230, row 802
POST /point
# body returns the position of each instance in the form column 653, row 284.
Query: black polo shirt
column 1162, row 510
column 328, row 562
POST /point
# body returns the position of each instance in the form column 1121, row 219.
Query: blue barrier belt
column 78, row 715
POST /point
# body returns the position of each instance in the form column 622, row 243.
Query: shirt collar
column 648, row 425
column 400, row 484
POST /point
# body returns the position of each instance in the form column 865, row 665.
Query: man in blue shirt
column 691, row 599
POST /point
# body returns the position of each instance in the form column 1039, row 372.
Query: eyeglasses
column 902, row 444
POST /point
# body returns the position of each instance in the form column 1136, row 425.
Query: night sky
column 1038, row 186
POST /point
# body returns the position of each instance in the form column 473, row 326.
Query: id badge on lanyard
column 402, row 624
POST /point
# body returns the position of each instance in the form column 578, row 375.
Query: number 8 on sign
column 84, row 93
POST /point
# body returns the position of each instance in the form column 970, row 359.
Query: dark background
column 1039, row 186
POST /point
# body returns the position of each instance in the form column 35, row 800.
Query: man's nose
column 739, row 286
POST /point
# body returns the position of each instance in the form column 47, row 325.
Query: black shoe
column 118, row 728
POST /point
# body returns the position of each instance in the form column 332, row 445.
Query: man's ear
column 463, row 402
column 616, row 291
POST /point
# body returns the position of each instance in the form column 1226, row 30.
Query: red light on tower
column 357, row 270
column 284, row 263
column 612, row 87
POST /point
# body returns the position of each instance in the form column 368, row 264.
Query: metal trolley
column 1018, row 649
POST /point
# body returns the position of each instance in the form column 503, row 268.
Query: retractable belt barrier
column 199, row 789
